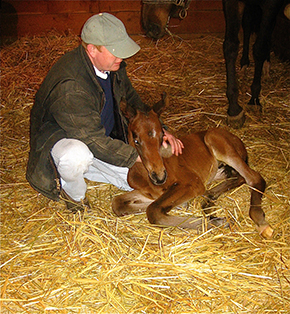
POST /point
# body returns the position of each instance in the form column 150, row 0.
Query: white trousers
column 74, row 162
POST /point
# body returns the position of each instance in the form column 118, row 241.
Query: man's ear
column 161, row 104
column 92, row 49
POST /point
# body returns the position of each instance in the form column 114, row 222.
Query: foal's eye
column 136, row 142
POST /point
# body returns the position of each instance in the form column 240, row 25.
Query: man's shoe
column 72, row 205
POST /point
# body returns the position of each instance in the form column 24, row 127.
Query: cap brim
column 124, row 49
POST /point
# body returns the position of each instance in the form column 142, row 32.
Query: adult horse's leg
column 177, row 194
column 247, row 25
column 262, row 46
column 236, row 115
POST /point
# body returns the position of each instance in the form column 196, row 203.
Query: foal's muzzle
column 158, row 179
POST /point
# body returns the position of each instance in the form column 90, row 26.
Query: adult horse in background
column 162, row 182
column 157, row 13
column 257, row 15
column 247, row 12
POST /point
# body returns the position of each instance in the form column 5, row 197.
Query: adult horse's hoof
column 255, row 107
column 238, row 121
column 255, row 104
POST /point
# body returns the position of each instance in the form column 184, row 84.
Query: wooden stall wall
column 21, row 18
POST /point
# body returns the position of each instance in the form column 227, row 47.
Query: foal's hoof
column 217, row 222
column 118, row 207
column 238, row 121
column 265, row 231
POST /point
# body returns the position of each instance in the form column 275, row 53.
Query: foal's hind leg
column 258, row 185
column 230, row 150
column 130, row 203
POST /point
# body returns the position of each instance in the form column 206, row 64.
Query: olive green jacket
column 68, row 104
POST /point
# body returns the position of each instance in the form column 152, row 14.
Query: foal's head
column 145, row 133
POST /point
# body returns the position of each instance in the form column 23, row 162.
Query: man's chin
column 116, row 67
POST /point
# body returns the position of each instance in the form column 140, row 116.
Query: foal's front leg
column 214, row 193
column 176, row 194
column 130, row 203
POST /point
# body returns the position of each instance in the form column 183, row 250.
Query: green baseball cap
column 106, row 30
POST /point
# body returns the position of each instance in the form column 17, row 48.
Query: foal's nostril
column 158, row 180
column 153, row 176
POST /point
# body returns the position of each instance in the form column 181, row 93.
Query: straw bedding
column 55, row 262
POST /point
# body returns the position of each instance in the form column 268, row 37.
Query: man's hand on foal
column 175, row 143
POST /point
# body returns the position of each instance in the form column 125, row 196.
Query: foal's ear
column 131, row 112
column 127, row 110
column 161, row 104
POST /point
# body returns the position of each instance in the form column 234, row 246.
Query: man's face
column 103, row 60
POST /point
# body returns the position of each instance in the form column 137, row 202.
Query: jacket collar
column 89, row 66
